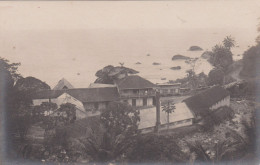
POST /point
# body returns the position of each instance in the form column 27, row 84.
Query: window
column 145, row 101
column 96, row 105
column 133, row 102
column 135, row 91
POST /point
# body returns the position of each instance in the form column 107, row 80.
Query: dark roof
column 134, row 82
column 82, row 94
column 206, row 99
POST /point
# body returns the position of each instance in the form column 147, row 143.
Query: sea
column 78, row 54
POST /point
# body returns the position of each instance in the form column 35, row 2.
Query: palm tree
column 229, row 42
column 168, row 108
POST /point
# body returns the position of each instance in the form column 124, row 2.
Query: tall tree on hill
column 251, row 59
column 229, row 42
column 221, row 55
column 216, row 77
column 8, row 76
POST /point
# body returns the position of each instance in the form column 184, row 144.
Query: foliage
column 229, row 42
column 216, row 117
column 192, row 79
column 12, row 68
column 156, row 149
column 120, row 117
column 216, row 77
column 168, row 108
column 108, row 74
column 221, row 56
column 120, row 122
column 108, row 138
column 53, row 117
column 251, row 59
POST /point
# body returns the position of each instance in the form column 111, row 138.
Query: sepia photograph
column 130, row 82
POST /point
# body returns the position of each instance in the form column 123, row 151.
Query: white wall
column 129, row 101
column 224, row 102
column 39, row 101
column 171, row 126
column 139, row 102
column 149, row 101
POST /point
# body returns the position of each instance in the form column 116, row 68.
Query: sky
column 128, row 14
column 35, row 33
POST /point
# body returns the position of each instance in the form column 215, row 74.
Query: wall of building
column 39, row 101
column 169, row 90
column 95, row 106
column 173, row 125
column 80, row 114
column 149, row 101
column 221, row 103
column 139, row 101
column 177, row 124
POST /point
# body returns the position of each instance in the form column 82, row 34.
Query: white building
column 182, row 116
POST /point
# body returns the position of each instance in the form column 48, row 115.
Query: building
column 136, row 91
column 182, row 116
column 210, row 99
column 63, row 84
column 167, row 89
column 85, row 99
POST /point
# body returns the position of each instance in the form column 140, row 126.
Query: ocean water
column 77, row 54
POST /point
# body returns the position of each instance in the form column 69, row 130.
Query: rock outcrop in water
column 156, row 63
column 195, row 48
column 180, row 57
column 176, row 68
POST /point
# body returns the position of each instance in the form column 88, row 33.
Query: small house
column 210, row 99
column 167, row 89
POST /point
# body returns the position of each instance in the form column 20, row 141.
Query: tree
column 221, row 57
column 11, row 68
column 192, row 79
column 168, row 108
column 229, row 42
column 216, row 77
column 53, row 117
column 250, row 61
column 108, row 74
column 120, row 122
column 154, row 148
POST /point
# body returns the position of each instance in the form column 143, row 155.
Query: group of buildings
column 137, row 92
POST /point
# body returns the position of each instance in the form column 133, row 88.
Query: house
column 167, row 89
column 210, row 99
column 182, row 116
column 85, row 99
column 63, row 84
column 136, row 91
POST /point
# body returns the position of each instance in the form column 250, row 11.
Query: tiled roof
column 82, row 94
column 134, row 82
column 206, row 99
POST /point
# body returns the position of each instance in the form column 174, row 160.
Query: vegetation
column 108, row 74
column 168, row 108
column 251, row 60
column 216, row 77
column 221, row 55
column 153, row 148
